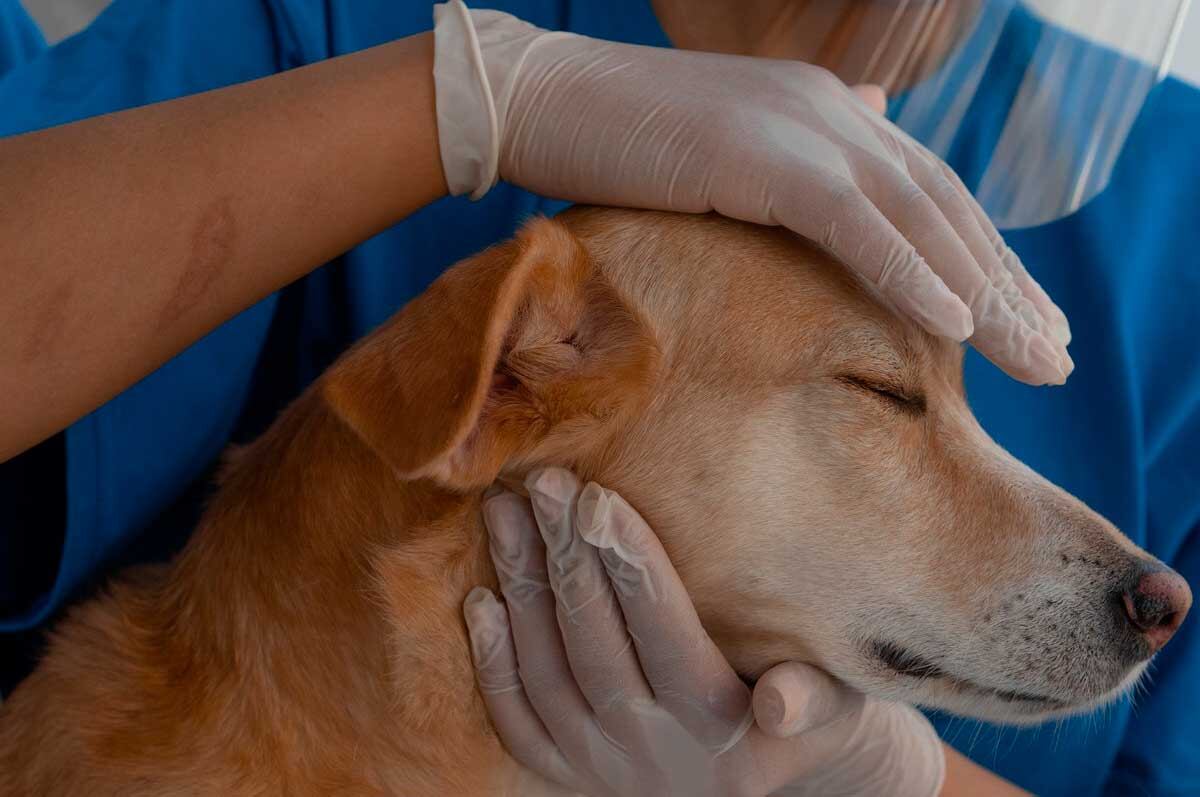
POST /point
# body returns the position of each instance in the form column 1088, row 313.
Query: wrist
column 965, row 778
column 414, row 59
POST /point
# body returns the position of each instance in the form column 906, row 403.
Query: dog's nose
column 1157, row 604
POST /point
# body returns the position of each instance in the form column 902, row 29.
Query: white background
column 63, row 17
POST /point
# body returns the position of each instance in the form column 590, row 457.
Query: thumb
column 873, row 96
column 793, row 698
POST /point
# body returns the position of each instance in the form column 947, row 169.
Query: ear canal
column 415, row 389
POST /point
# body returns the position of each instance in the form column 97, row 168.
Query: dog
column 806, row 455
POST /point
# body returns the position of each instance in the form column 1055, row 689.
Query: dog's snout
column 1156, row 604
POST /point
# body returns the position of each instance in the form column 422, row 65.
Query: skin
column 135, row 233
column 861, row 41
column 965, row 778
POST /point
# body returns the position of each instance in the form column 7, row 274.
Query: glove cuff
column 477, row 58
column 468, row 125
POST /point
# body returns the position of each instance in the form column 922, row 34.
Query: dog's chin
column 992, row 705
column 905, row 678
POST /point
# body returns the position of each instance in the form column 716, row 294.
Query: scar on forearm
column 211, row 246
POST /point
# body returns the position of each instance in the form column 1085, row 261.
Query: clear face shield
column 1035, row 97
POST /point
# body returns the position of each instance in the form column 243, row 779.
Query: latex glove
column 598, row 675
column 766, row 141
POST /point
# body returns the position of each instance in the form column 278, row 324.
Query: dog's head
column 806, row 455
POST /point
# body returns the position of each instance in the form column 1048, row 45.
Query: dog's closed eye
column 907, row 401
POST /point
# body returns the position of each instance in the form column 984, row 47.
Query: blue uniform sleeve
column 143, row 51
column 20, row 39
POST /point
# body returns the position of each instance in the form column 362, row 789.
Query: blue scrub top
column 126, row 482
column 20, row 38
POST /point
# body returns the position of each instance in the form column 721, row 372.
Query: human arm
column 137, row 232
column 965, row 778
column 134, row 234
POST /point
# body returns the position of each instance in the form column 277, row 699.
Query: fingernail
column 551, row 491
column 626, row 526
column 486, row 620
column 1068, row 365
column 481, row 609
column 550, row 487
column 770, row 710
column 477, row 596
column 788, row 701
column 501, row 516
column 615, row 530
column 1046, row 360
column 603, row 523
column 941, row 312
column 591, row 512
column 1060, row 327
column 953, row 318
column 873, row 95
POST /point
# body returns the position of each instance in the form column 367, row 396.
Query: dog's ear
column 516, row 356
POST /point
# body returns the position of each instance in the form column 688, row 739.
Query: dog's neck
column 362, row 577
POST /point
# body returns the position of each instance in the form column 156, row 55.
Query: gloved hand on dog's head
column 768, row 141
column 599, row 676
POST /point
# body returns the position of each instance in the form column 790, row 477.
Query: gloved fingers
column 794, row 698
column 959, row 208
column 520, row 560
column 975, row 230
column 1013, row 346
column 1055, row 317
column 858, row 234
column 1000, row 334
column 688, row 674
column 599, row 649
column 520, row 729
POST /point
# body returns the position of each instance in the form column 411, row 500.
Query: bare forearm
column 126, row 237
column 965, row 778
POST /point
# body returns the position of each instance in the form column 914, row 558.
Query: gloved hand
column 598, row 675
column 766, row 141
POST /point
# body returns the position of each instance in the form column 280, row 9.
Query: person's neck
column 768, row 28
column 861, row 41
